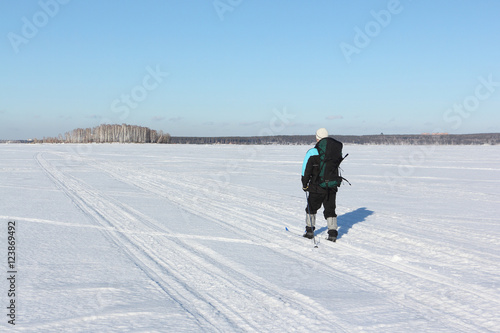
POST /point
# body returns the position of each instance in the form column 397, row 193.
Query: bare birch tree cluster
column 111, row 133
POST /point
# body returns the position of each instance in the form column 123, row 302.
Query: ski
column 317, row 240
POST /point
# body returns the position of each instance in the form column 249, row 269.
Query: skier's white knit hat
column 321, row 133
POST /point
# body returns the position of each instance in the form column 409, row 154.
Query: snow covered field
column 176, row 238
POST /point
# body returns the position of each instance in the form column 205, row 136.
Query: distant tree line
column 425, row 139
column 381, row 139
column 136, row 134
column 110, row 133
column 242, row 140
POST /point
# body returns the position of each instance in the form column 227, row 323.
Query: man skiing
column 321, row 178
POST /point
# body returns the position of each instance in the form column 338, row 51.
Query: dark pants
column 327, row 199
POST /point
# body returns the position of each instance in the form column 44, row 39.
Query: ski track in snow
column 156, row 184
column 382, row 276
column 175, row 265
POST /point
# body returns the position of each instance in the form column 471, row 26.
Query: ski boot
column 332, row 235
column 309, row 232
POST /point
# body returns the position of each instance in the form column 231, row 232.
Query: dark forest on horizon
column 137, row 134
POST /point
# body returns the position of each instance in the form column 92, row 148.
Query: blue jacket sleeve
column 306, row 172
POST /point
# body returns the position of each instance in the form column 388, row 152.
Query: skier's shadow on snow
column 347, row 220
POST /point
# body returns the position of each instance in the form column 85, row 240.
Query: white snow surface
column 185, row 238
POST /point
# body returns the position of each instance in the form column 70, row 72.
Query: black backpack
column 330, row 157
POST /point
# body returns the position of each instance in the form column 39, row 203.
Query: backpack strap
column 343, row 158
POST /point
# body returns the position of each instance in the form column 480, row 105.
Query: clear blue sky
column 250, row 67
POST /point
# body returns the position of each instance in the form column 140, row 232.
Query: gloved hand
column 305, row 189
